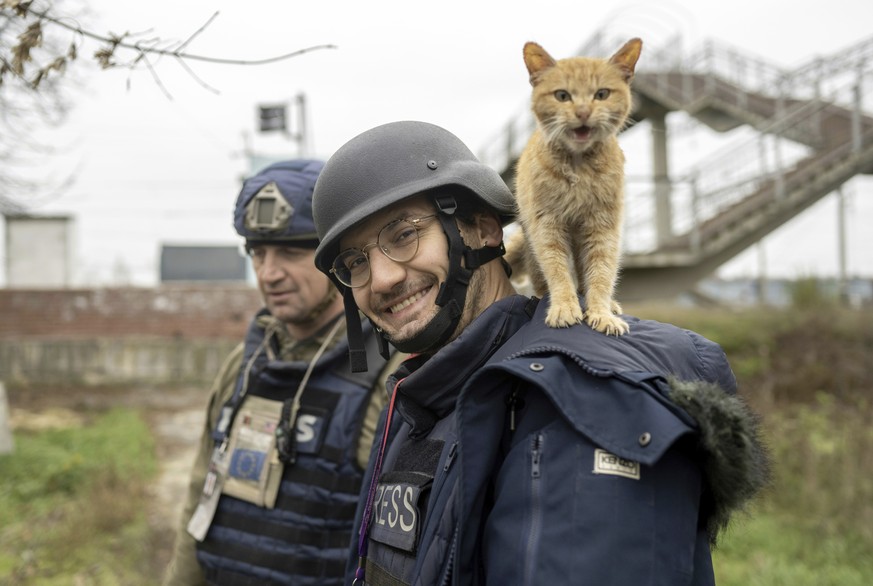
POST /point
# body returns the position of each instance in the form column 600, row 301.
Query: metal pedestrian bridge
column 803, row 133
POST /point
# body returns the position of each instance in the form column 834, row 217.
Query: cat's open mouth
column 582, row 133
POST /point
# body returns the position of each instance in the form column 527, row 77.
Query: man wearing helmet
column 515, row 453
column 274, row 486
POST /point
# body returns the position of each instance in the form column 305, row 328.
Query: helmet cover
column 275, row 204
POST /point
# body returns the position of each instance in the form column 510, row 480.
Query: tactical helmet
column 275, row 205
column 390, row 163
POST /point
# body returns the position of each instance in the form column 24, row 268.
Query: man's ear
column 489, row 229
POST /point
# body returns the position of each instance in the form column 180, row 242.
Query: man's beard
column 394, row 338
column 474, row 302
column 473, row 306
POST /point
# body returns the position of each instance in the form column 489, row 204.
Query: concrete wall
column 109, row 361
column 167, row 335
column 38, row 251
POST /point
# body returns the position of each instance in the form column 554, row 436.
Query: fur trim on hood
column 736, row 462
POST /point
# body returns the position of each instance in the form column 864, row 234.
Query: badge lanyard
column 229, row 411
column 201, row 520
column 290, row 414
column 363, row 538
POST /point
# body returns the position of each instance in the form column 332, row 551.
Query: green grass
column 814, row 525
column 72, row 504
column 776, row 549
column 807, row 371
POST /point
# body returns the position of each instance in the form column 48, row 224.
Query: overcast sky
column 152, row 169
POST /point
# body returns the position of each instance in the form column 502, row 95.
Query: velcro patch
column 610, row 464
column 396, row 515
column 311, row 429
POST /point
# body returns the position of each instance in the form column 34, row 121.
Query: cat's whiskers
column 553, row 129
column 630, row 122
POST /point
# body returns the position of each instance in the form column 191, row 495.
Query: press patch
column 395, row 515
column 606, row 463
column 311, row 429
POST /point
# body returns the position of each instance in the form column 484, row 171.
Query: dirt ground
column 175, row 416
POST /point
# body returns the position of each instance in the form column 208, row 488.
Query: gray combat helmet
column 388, row 164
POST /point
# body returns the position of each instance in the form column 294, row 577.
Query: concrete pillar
column 661, row 169
column 7, row 446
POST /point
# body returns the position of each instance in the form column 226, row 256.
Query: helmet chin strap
column 453, row 292
column 451, row 297
column 355, row 335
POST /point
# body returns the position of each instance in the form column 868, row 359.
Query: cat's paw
column 607, row 323
column 564, row 315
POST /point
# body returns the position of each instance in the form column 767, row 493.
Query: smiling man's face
column 400, row 297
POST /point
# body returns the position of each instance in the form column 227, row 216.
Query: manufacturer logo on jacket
column 612, row 465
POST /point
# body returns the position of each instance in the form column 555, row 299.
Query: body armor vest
column 303, row 539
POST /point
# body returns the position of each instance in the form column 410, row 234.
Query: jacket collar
column 430, row 384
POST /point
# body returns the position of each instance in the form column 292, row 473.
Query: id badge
column 253, row 470
column 201, row 520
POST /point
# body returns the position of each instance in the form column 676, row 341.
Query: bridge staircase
column 803, row 133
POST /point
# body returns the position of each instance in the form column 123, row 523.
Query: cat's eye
column 601, row 94
column 562, row 96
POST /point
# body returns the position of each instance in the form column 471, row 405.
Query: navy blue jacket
column 562, row 457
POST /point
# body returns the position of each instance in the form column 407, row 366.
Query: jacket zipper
column 436, row 490
column 535, row 507
column 451, row 456
column 450, row 565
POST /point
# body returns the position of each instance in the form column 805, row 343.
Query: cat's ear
column 536, row 60
column 626, row 57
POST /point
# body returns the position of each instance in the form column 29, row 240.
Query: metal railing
column 742, row 169
column 782, row 104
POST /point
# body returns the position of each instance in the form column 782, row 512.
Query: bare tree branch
column 200, row 30
column 115, row 41
column 202, row 83
column 35, row 60
column 106, row 55
column 156, row 78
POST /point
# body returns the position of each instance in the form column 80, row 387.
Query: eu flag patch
column 246, row 464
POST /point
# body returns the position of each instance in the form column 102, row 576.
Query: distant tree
column 33, row 95
column 37, row 47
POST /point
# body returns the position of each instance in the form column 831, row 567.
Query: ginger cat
column 570, row 184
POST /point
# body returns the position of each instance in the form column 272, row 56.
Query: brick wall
column 121, row 336
column 196, row 312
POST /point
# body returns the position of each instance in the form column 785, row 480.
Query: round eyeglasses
column 397, row 240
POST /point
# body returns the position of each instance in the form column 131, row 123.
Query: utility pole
column 842, row 282
column 762, row 274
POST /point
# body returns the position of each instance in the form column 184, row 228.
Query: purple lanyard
column 363, row 538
